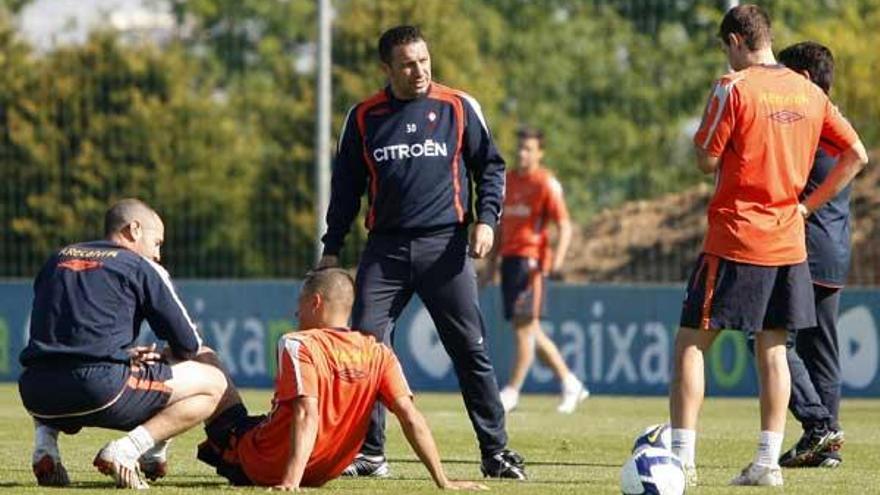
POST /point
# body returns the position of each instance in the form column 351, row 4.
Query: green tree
column 101, row 121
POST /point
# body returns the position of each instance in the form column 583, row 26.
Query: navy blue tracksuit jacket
column 420, row 162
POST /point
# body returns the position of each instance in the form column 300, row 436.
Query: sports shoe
column 810, row 450
column 50, row 472
column 509, row 398
column 374, row 466
column 690, row 475
column 153, row 468
column 828, row 460
column 123, row 468
column 154, row 462
column 571, row 397
column 758, row 475
column 505, row 464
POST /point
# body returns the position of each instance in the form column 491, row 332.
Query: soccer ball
column 659, row 436
column 652, row 471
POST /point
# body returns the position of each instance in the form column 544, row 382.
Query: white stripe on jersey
column 477, row 109
column 721, row 92
column 166, row 278
column 344, row 128
column 292, row 346
column 555, row 186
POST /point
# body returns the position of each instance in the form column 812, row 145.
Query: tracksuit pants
column 814, row 363
column 436, row 267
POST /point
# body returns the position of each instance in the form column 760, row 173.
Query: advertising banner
column 617, row 338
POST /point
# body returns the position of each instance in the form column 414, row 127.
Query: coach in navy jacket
column 424, row 155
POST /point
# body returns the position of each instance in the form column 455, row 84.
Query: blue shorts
column 105, row 395
column 724, row 294
column 522, row 287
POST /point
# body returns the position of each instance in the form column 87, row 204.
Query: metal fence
column 213, row 125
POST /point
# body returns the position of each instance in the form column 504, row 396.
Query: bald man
column 328, row 381
column 83, row 369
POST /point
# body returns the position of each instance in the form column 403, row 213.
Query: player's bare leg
column 774, row 390
column 198, row 387
column 686, row 393
column 573, row 390
column 524, row 330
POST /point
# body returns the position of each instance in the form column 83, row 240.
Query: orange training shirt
column 530, row 200
column 346, row 371
column 765, row 123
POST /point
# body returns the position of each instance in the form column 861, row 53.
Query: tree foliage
column 216, row 126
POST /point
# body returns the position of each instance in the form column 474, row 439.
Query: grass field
column 581, row 453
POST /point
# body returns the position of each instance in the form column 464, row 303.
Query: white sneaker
column 571, row 397
column 509, row 398
column 367, row 465
column 690, row 475
column 759, row 475
column 122, row 466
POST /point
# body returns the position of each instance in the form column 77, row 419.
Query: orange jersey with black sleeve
column 765, row 123
column 346, row 371
column 531, row 200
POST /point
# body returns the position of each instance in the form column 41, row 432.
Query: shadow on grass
column 528, row 463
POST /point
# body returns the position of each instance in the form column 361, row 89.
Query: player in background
column 424, row 154
column 328, row 379
column 533, row 199
column 82, row 369
column 813, row 357
column 758, row 135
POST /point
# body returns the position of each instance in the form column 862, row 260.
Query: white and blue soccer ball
column 659, row 436
column 652, row 471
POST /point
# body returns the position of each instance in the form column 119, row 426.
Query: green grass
column 581, row 453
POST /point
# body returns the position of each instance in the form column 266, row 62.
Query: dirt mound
column 659, row 240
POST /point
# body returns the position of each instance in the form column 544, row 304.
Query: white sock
column 571, row 382
column 140, row 439
column 769, row 448
column 45, row 441
column 684, row 443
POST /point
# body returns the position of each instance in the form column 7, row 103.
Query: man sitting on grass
column 327, row 383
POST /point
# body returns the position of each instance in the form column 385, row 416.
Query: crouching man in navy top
column 82, row 367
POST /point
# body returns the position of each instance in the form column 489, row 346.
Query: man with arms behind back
column 758, row 135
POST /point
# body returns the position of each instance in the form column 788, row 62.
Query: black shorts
column 219, row 450
column 723, row 294
column 522, row 287
column 107, row 395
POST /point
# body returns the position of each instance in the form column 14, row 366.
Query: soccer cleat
column 758, row 475
column 125, row 471
column 812, row 448
column 690, row 475
column 153, row 468
column 509, row 398
column 154, row 462
column 505, row 464
column 374, row 466
column 571, row 397
column 50, row 472
column 828, row 460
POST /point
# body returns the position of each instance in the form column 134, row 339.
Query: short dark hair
column 335, row 285
column 531, row 133
column 398, row 35
column 749, row 21
column 123, row 212
column 812, row 57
